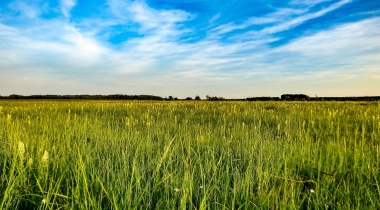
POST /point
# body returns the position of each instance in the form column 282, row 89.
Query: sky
column 184, row 48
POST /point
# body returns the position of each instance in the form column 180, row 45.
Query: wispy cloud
column 152, row 18
column 355, row 39
column 308, row 3
column 342, row 53
column 281, row 20
column 282, row 14
column 66, row 6
column 27, row 9
column 297, row 21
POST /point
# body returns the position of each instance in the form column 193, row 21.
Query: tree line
column 284, row 97
column 86, row 97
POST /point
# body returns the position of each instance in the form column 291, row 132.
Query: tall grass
column 189, row 155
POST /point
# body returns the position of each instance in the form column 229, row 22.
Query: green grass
column 189, row 155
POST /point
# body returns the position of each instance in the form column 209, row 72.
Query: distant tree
column 215, row 98
column 188, row 98
column 176, row 98
column 15, row 96
column 170, row 98
column 294, row 97
column 197, row 98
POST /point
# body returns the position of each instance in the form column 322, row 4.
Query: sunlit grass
column 189, row 155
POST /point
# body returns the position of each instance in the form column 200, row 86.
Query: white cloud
column 147, row 17
column 280, row 15
column 118, row 8
column 66, row 6
column 152, row 18
column 214, row 18
column 280, row 20
column 349, row 39
column 299, row 20
column 26, row 9
column 333, row 62
column 309, row 3
column 345, row 56
column 226, row 28
column 60, row 48
column 6, row 30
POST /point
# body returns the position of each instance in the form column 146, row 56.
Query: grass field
column 189, row 155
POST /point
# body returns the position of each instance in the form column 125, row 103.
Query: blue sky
column 229, row 48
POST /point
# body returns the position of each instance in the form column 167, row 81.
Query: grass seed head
column 30, row 162
column 21, row 149
column 45, row 157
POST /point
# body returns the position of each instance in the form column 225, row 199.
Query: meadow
column 63, row 154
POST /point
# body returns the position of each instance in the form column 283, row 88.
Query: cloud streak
column 66, row 6
column 297, row 21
